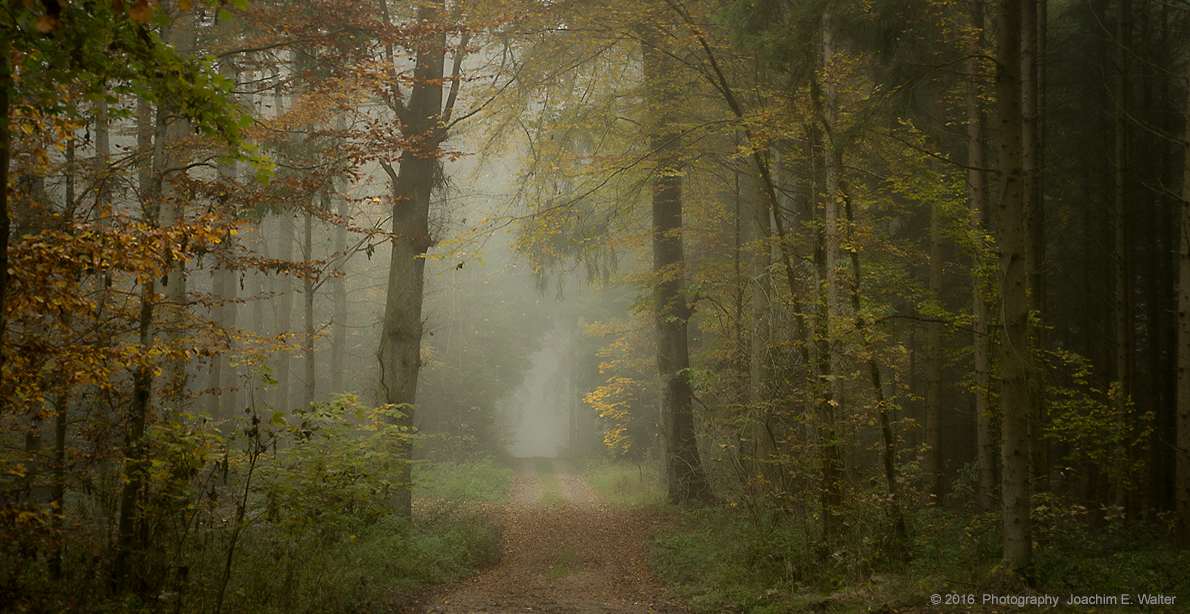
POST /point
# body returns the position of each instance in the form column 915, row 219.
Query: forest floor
column 576, row 556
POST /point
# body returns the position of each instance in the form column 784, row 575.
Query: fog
column 539, row 412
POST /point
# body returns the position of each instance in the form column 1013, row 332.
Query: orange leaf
column 142, row 12
column 118, row 7
column 48, row 23
column 185, row 4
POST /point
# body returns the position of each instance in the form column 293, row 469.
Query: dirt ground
column 578, row 557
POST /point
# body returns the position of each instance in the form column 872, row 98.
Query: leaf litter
column 578, row 557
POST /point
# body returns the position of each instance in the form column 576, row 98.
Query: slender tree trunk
column 889, row 450
column 830, row 357
column 308, row 386
column 339, row 288
column 978, row 197
column 684, row 473
column 1015, row 365
column 759, row 370
column 229, row 384
column 286, row 235
column 129, row 548
column 58, row 492
column 1124, row 329
column 935, row 484
column 5, row 223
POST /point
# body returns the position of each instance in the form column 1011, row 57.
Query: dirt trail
column 578, row 557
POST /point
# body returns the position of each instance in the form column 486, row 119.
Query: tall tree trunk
column 934, row 359
column 759, row 369
column 182, row 35
column 685, row 477
column 977, row 195
column 1124, row 332
column 286, row 235
column 5, row 223
column 339, row 287
column 1013, row 240
column 223, row 375
column 830, row 358
column 399, row 353
column 889, row 451
column 1031, row 137
column 308, row 385
column 1182, row 476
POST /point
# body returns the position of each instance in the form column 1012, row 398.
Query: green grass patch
column 551, row 491
column 478, row 480
column 625, row 484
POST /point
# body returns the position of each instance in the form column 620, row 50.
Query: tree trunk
column 889, row 450
column 759, row 369
column 1032, row 143
column 830, row 356
column 1124, row 332
column 339, row 287
column 685, row 477
column 399, row 353
column 1013, row 240
column 286, row 235
column 934, row 359
column 308, row 385
column 5, row 222
column 978, row 197
column 182, row 36
column 1182, row 477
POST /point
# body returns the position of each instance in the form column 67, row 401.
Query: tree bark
column 759, row 362
column 889, row 450
column 339, row 287
column 308, row 385
column 1013, row 239
column 5, row 222
column 685, row 477
column 399, row 353
column 1123, row 324
column 830, row 356
column 283, row 320
column 977, row 195
column 1182, row 476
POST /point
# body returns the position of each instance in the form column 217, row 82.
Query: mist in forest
column 539, row 411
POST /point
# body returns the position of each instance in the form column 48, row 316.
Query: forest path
column 576, row 557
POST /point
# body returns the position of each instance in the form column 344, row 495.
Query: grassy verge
column 551, row 491
column 624, row 485
column 481, row 480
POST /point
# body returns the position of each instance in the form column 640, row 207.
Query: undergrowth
column 727, row 559
column 624, row 485
column 359, row 569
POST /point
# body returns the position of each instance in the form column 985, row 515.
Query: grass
column 551, row 491
column 624, row 485
column 477, row 481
